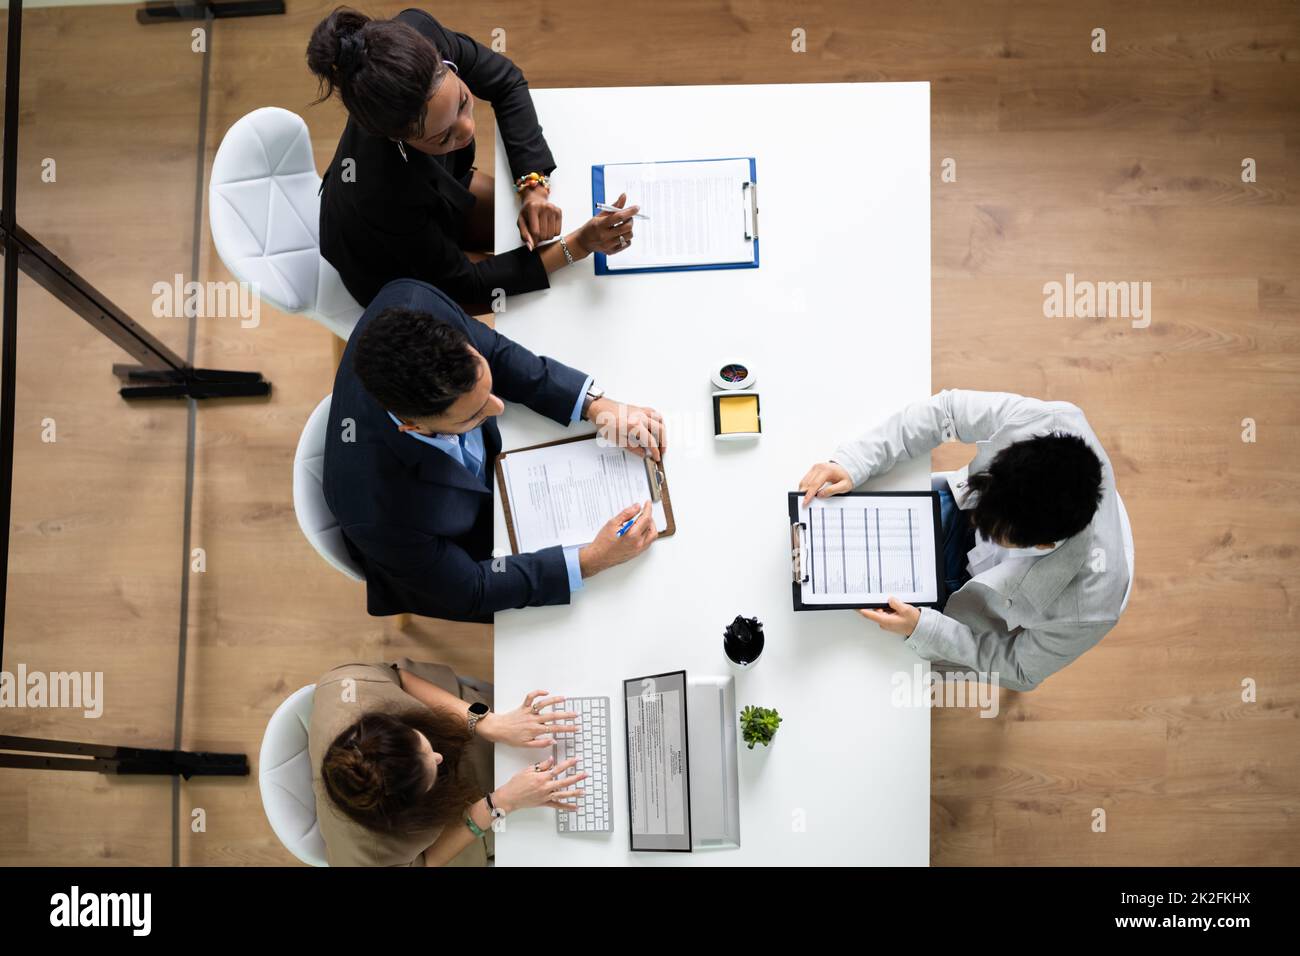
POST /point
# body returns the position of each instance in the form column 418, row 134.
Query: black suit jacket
column 418, row 521
column 403, row 218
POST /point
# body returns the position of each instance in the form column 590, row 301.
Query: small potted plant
column 758, row 725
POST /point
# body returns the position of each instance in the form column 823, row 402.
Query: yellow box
column 736, row 414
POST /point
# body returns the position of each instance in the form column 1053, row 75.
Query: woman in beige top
column 402, row 764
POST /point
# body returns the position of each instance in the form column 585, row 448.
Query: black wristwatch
column 477, row 711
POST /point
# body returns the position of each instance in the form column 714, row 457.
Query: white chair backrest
column 284, row 777
column 264, row 211
column 314, row 516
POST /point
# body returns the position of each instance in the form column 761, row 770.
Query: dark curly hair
column 413, row 364
column 1037, row 491
column 384, row 71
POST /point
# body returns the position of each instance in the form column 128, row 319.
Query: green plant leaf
column 759, row 725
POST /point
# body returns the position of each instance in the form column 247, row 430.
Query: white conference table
column 836, row 324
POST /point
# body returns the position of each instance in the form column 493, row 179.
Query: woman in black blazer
column 401, row 197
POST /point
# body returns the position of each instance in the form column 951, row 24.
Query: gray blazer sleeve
column 1021, row 661
column 952, row 415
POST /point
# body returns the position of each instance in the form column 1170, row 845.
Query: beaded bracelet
column 474, row 828
column 530, row 181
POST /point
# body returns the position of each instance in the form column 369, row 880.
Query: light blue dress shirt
column 467, row 450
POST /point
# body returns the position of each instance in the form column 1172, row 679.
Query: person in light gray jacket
column 1034, row 538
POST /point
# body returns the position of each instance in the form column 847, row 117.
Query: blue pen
column 627, row 524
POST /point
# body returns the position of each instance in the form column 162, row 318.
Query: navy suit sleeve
column 546, row 386
column 457, row 583
column 443, row 263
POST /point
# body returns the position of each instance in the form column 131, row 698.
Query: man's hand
column 901, row 618
column 823, row 480
column 638, row 429
column 609, row 549
column 539, row 218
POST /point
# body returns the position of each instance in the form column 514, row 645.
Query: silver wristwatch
column 593, row 393
column 477, row 711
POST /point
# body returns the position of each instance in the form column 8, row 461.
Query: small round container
column 734, row 374
column 742, row 642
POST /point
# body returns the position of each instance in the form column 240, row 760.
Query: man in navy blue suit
column 409, row 457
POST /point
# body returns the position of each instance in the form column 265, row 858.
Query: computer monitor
column 714, row 770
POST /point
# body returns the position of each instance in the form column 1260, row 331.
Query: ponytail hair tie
column 351, row 48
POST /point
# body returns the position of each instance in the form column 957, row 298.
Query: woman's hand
column 824, row 480
column 610, row 232
column 901, row 618
column 539, row 218
column 525, row 726
column 542, row 785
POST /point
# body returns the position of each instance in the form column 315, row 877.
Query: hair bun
column 356, row 779
column 352, row 47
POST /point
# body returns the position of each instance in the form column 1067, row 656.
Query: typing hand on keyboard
column 544, row 784
column 528, row 725
column 589, row 746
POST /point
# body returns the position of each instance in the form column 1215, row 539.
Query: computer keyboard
column 591, row 746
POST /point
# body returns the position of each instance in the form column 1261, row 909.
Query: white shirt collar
column 1031, row 552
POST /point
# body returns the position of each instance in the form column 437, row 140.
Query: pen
column 606, row 207
column 626, row 524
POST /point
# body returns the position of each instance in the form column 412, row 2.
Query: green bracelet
column 474, row 828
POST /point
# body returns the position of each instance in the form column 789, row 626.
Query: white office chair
column 314, row 516
column 284, row 777
column 265, row 215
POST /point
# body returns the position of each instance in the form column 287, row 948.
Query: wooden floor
column 1116, row 166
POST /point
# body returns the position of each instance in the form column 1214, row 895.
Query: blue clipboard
column 598, row 196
